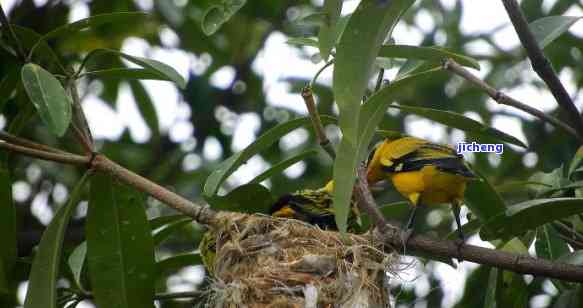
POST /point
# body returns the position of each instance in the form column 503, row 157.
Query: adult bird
column 313, row 206
column 423, row 172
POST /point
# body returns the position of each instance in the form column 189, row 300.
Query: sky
column 174, row 113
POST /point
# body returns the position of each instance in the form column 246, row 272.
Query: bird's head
column 374, row 166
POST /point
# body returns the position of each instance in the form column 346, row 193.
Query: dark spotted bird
column 314, row 207
column 423, row 172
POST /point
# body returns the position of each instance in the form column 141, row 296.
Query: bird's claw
column 459, row 243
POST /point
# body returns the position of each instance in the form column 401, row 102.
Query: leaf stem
column 504, row 99
column 315, row 78
column 541, row 65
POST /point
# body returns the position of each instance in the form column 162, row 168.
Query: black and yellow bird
column 314, row 207
column 423, row 172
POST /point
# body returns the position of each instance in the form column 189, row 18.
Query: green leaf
column 8, row 85
column 368, row 26
column 375, row 107
column 248, row 198
column 164, row 71
column 48, row 96
column 483, row 200
column 175, row 263
column 120, row 249
column 429, row 53
column 146, row 107
column 547, row 29
column 162, row 233
column 548, row 244
column 216, row 15
column 529, row 215
column 127, row 73
column 490, row 298
column 372, row 113
column 42, row 287
column 76, row 263
column 575, row 162
column 314, row 19
column 161, row 221
column 302, row 41
column 327, row 33
column 281, row 166
column 456, row 120
column 90, row 22
column 356, row 51
column 228, row 166
column 45, row 55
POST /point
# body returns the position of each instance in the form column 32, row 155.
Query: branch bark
column 324, row 142
column 521, row 264
column 504, row 99
column 541, row 65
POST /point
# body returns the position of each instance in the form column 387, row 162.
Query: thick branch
column 202, row 214
column 504, row 99
column 521, row 264
column 541, row 64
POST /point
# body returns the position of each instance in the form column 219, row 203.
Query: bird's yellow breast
column 429, row 185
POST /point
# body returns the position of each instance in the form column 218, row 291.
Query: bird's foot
column 459, row 244
column 405, row 236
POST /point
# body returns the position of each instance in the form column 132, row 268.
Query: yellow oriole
column 425, row 173
column 314, row 207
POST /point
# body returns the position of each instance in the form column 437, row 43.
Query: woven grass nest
column 268, row 262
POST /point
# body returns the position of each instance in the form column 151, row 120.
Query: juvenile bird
column 314, row 207
column 423, row 172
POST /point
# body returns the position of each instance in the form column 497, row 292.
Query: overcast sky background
column 278, row 61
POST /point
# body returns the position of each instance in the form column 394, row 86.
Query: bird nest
column 268, row 262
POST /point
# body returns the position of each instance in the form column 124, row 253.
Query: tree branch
column 541, row 64
column 503, row 99
column 521, row 264
column 366, row 201
column 27, row 143
column 201, row 213
column 324, row 142
column 66, row 158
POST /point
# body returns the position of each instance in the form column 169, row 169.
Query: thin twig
column 504, row 99
column 541, row 64
column 27, row 143
column 308, row 97
column 10, row 33
column 83, row 132
column 201, row 213
column 66, row 158
column 366, row 201
column 82, row 139
column 380, row 77
column 315, row 78
column 158, row 296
